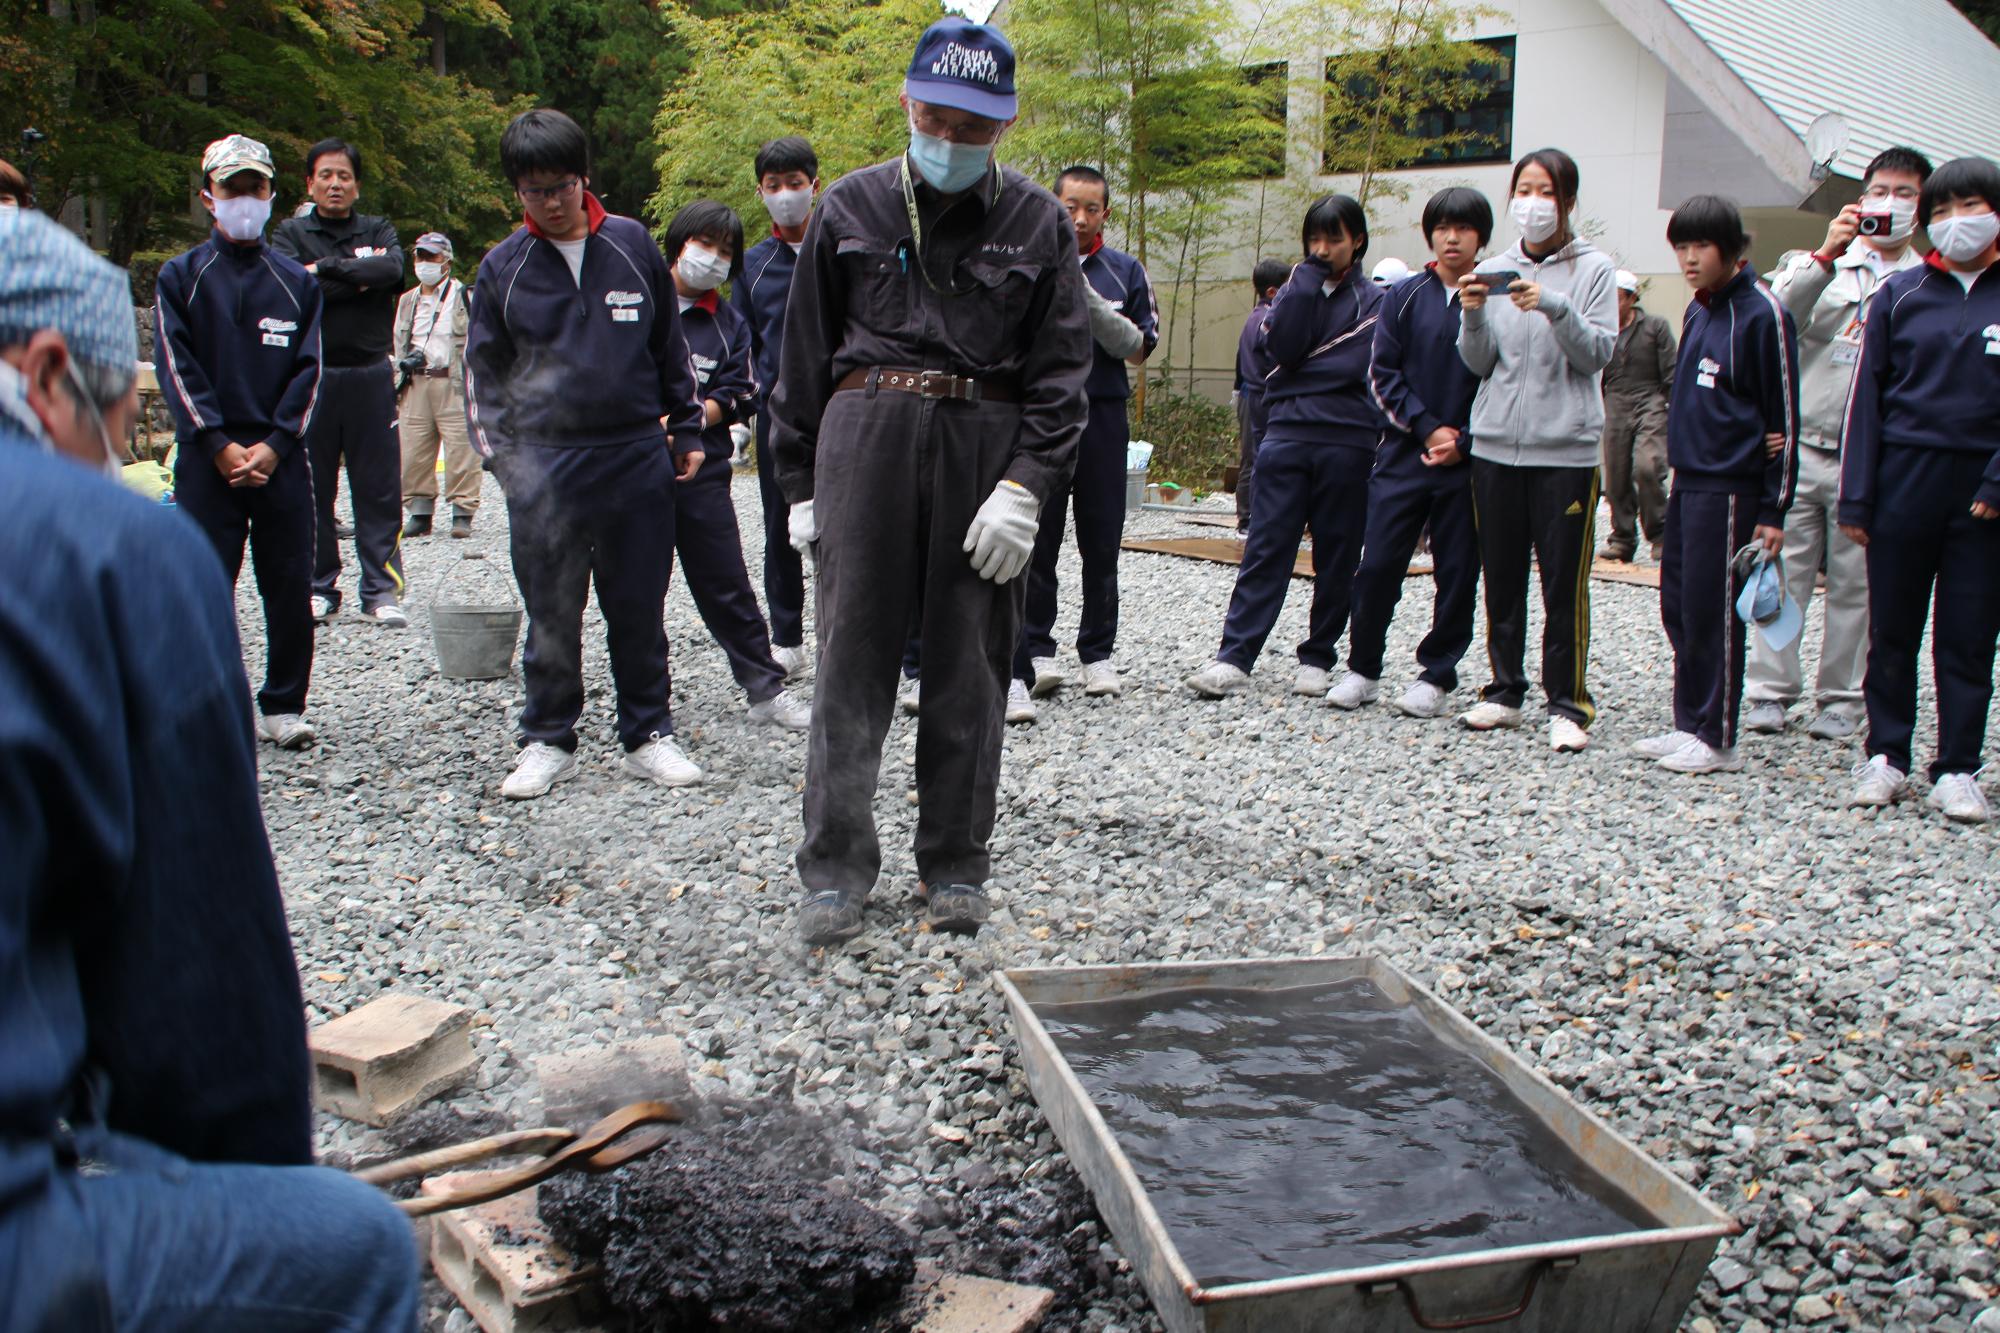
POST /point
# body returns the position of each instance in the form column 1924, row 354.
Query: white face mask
column 1902, row 221
column 701, row 268
column 1964, row 238
column 241, row 217
column 1535, row 215
column 430, row 275
column 788, row 208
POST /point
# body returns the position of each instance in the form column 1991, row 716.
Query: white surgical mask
column 702, row 268
column 949, row 167
column 1902, row 220
column 241, row 217
column 1535, row 215
column 430, row 275
column 788, row 208
column 1965, row 237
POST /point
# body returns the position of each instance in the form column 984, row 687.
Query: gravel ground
column 1791, row 1005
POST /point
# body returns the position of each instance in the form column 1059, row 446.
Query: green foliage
column 1985, row 15
column 1193, row 436
column 825, row 69
column 144, row 270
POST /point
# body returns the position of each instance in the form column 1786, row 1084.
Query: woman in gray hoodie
column 1539, row 346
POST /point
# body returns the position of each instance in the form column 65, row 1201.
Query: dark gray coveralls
column 993, row 294
column 1636, row 384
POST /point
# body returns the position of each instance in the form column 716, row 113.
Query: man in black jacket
column 359, row 264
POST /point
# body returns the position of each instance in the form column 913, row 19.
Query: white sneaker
column 906, row 695
column 1662, row 745
column 1101, row 678
column 792, row 661
column 1766, row 717
column 1487, row 715
column 1565, row 736
column 287, row 731
column 1048, row 677
column 540, row 767
column 1312, row 681
column 1698, row 756
column 1021, row 709
column 660, row 760
column 390, row 615
column 1958, row 795
column 1877, row 782
column 1217, row 679
column 1353, row 691
column 1422, row 699
column 783, row 710
column 323, row 607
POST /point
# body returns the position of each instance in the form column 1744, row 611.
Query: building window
column 1463, row 114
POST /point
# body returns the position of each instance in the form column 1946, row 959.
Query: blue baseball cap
column 965, row 65
column 1764, row 601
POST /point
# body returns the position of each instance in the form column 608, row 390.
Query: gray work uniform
column 993, row 293
column 1636, row 384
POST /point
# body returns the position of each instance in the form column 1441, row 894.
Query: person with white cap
column 238, row 347
column 429, row 353
column 1388, row 271
column 929, row 403
column 1638, row 380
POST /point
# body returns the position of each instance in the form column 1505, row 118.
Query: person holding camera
column 431, row 320
column 1828, row 292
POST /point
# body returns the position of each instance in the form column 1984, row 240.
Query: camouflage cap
column 238, row 152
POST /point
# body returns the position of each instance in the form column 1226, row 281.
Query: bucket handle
column 1417, row 1315
column 459, row 566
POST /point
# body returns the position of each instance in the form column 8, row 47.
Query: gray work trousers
column 1635, row 469
column 896, row 482
column 1812, row 533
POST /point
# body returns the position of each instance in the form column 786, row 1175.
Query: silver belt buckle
column 935, row 384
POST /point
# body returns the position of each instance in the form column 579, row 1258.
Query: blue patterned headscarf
column 50, row 280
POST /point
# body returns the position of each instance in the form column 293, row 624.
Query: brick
column 954, row 1303
column 498, row 1261
column 581, row 1087
column 390, row 1056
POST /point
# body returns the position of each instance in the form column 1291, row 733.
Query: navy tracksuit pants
column 578, row 516
column 784, row 571
column 1404, row 496
column 356, row 420
column 710, row 547
column 1316, row 488
column 1924, row 536
column 1548, row 514
column 277, row 521
column 1704, row 531
column 1097, row 496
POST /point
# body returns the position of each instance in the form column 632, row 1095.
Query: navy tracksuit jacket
column 1736, row 381
column 1250, row 371
column 1322, row 429
column 705, row 532
column 1097, row 491
column 238, row 346
column 567, row 378
column 1921, row 443
column 1420, row 383
column 761, row 293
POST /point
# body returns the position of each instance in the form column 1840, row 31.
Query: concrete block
column 583, row 1086
column 953, row 1303
column 390, row 1056
column 497, row 1259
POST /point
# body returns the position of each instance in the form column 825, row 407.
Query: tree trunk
column 434, row 24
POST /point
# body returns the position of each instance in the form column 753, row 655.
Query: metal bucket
column 474, row 641
column 1135, row 487
column 1634, row 1282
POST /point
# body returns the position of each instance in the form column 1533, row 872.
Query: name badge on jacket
column 277, row 332
column 624, row 306
column 1992, row 335
column 1708, row 370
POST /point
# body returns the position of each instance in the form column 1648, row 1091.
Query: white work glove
column 739, row 438
column 803, row 530
column 1114, row 333
column 1002, row 535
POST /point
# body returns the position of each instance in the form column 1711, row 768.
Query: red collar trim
column 1096, row 244
column 592, row 210
column 1936, row 261
column 708, row 301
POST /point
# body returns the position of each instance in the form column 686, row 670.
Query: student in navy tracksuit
column 1097, row 493
column 1732, row 441
column 787, row 172
column 703, row 240
column 239, row 359
column 1920, row 489
column 573, row 359
column 1265, row 279
column 1421, row 476
column 1320, row 442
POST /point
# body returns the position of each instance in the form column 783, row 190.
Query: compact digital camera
column 1875, row 224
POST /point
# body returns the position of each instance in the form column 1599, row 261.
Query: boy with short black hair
column 1265, row 279
column 1732, row 441
column 787, row 172
column 574, row 360
column 1420, row 477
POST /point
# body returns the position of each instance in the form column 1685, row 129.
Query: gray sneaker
column 1767, row 717
column 1833, row 725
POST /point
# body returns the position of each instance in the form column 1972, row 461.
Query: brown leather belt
column 930, row 384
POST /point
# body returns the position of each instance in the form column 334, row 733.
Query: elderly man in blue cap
column 929, row 401
column 155, row 1129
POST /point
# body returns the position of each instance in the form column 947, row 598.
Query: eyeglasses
column 547, row 194
column 980, row 131
column 1903, row 192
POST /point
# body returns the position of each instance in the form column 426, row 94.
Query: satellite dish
column 1826, row 139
